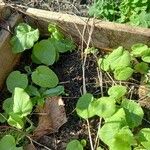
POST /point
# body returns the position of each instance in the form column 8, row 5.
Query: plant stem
column 83, row 73
column 31, row 140
column 96, row 140
column 89, row 132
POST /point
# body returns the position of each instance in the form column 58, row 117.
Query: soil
column 77, row 7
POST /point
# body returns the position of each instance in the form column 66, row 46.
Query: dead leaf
column 51, row 117
column 144, row 100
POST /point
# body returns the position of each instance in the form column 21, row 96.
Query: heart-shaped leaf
column 134, row 113
column 8, row 143
column 8, row 105
column 84, row 108
column 44, row 77
column 16, row 79
column 123, row 73
column 44, row 51
column 74, row 145
column 104, row 107
column 117, row 91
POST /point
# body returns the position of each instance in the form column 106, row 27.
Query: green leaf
column 16, row 79
column 139, row 49
column 123, row 140
column 40, row 101
column 32, row 91
column 44, row 77
column 144, row 137
column 74, row 145
column 91, row 50
column 112, row 126
column 116, row 59
column 44, row 51
column 15, row 120
column 104, row 64
column 123, row 73
column 134, row 113
column 121, row 58
column 84, row 108
column 117, row 91
column 141, row 68
column 35, row 60
column 54, row 91
column 146, row 58
column 63, row 45
column 25, row 38
column 22, row 103
column 8, row 105
column 99, row 148
column 55, row 33
column 8, row 143
column 104, row 107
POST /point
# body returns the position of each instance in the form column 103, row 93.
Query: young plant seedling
column 121, row 118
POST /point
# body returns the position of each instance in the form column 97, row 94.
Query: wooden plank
column 7, row 59
column 105, row 34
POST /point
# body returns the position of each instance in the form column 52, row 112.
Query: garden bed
column 104, row 35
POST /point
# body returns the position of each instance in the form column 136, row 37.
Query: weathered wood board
column 105, row 35
column 7, row 59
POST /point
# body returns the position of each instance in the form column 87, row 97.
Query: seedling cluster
column 120, row 117
column 134, row 12
column 30, row 89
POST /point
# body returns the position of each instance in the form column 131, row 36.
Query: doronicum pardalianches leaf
column 63, row 45
column 104, row 64
column 144, row 137
column 44, row 77
column 141, row 67
column 123, row 140
column 122, row 60
column 117, row 91
column 16, row 79
column 32, row 91
column 16, row 121
column 133, row 111
column 146, row 58
column 56, row 91
column 8, row 143
column 74, row 145
column 8, row 105
column 111, row 127
column 138, row 50
column 22, row 103
column 44, row 51
column 104, row 107
column 35, row 60
column 84, row 108
column 123, row 73
column 118, row 58
column 24, row 38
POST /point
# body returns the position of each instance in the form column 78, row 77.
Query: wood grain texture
column 7, row 59
column 105, row 35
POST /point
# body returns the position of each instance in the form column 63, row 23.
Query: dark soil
column 77, row 7
column 69, row 71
